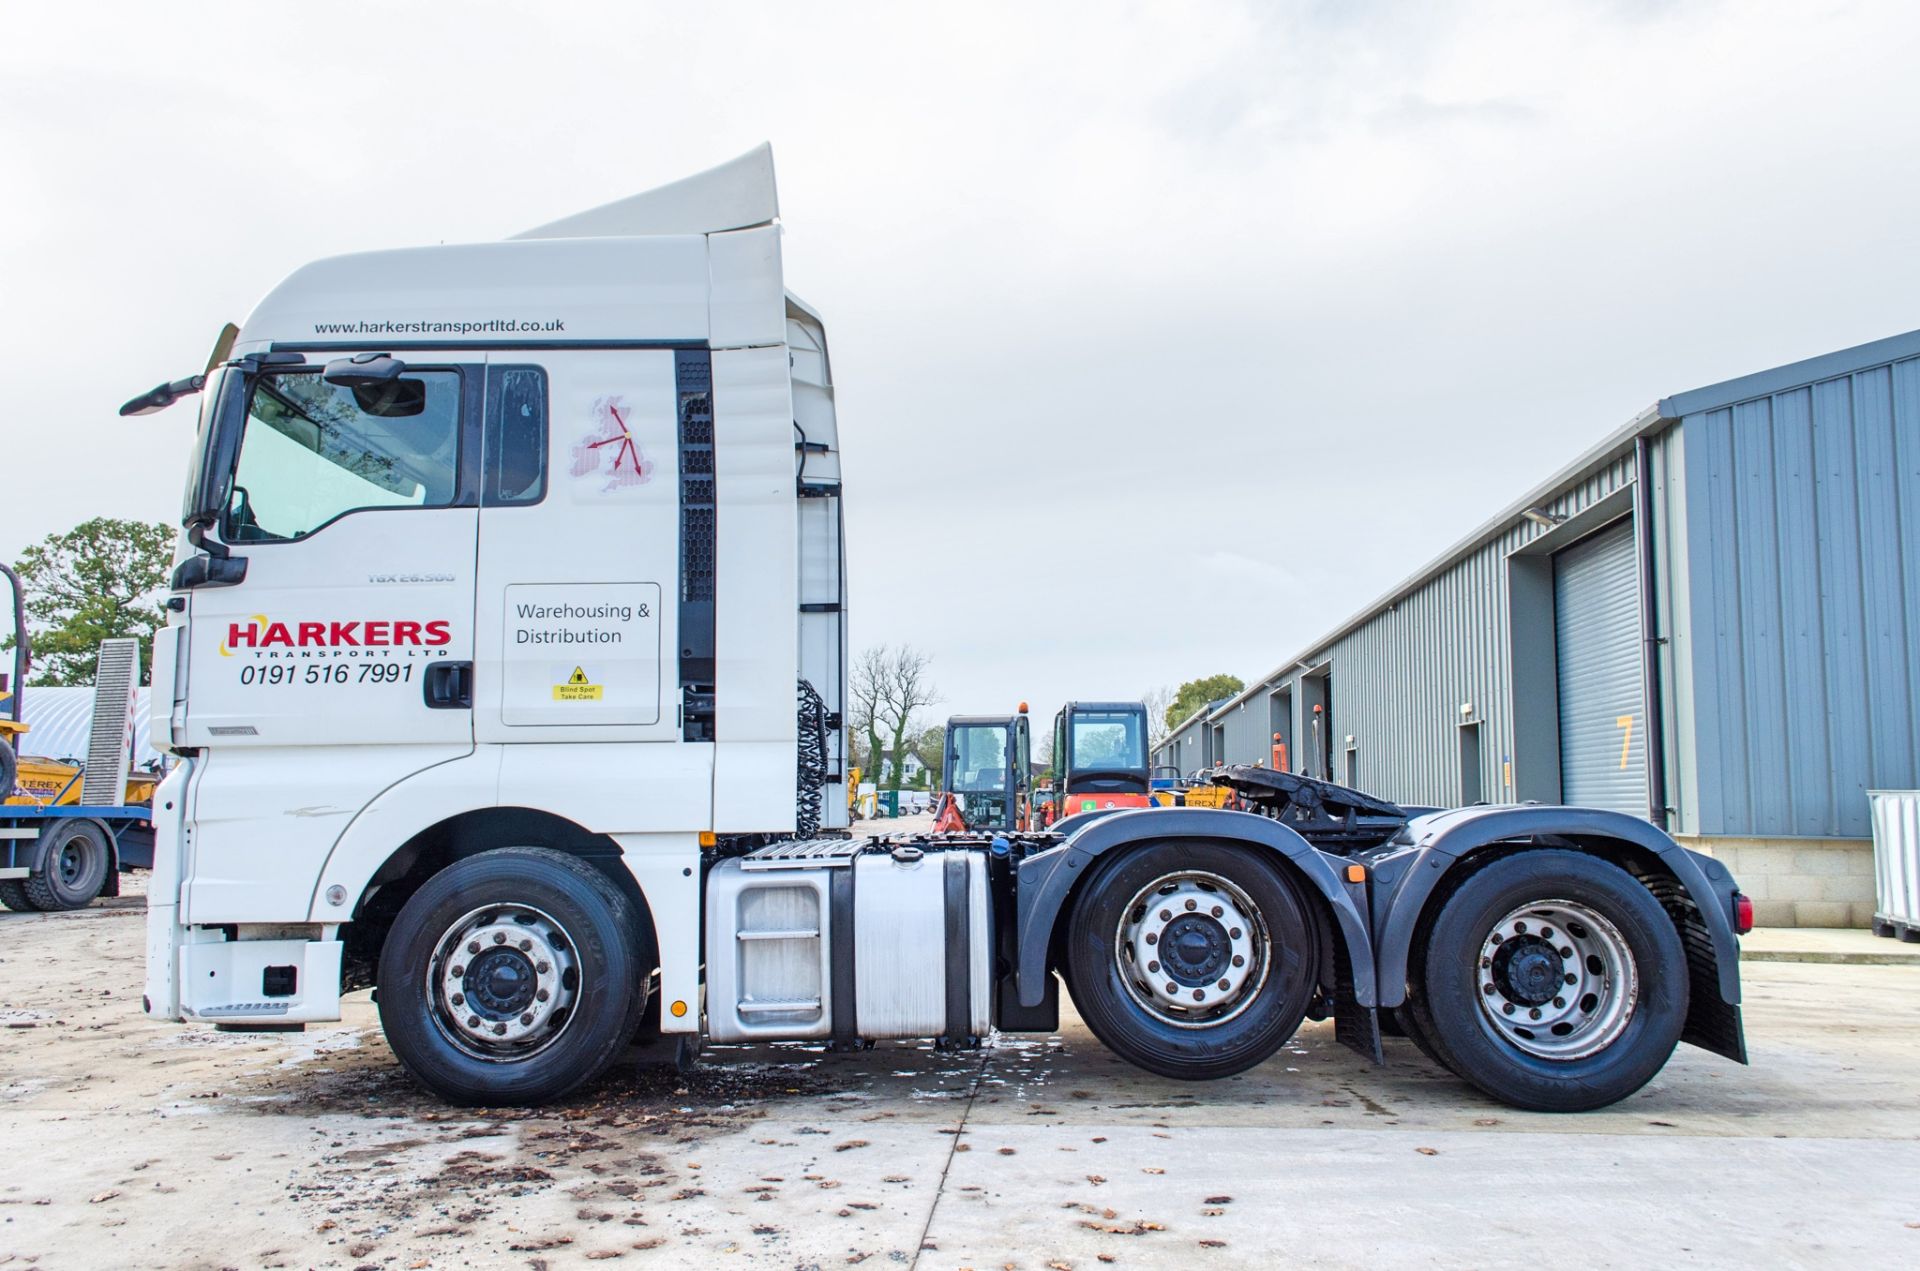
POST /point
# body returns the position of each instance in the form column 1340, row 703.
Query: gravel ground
column 130, row 1143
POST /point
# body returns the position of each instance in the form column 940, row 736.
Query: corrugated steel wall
column 1803, row 511
column 1401, row 677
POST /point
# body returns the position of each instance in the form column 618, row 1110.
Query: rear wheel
column 512, row 977
column 13, row 894
column 1553, row 981
column 73, row 867
column 1193, row 960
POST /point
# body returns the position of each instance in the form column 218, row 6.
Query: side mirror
column 163, row 396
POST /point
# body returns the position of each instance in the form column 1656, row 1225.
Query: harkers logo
column 261, row 636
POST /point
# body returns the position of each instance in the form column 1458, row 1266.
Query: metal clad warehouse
column 1712, row 619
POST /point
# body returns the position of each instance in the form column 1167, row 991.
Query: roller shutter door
column 1603, row 745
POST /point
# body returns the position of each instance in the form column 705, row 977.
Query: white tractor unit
column 506, row 668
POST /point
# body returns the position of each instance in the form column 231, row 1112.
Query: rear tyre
column 1553, row 981
column 13, row 894
column 73, row 866
column 512, row 977
column 1192, row 960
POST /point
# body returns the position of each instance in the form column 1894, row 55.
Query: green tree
column 931, row 747
column 100, row 580
column 1194, row 694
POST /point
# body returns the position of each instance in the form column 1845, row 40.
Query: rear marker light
column 1742, row 913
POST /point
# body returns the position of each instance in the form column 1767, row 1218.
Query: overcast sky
column 1166, row 336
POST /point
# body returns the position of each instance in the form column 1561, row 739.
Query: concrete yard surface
column 130, row 1143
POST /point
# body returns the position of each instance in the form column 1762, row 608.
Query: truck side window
column 312, row 451
column 515, row 448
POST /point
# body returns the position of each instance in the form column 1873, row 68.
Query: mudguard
column 1046, row 879
column 1405, row 880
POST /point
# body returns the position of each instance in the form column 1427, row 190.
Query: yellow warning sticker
column 578, row 688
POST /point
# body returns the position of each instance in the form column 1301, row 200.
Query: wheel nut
column 1566, row 953
column 1172, row 987
column 1487, row 989
column 1153, row 968
column 1546, row 933
column 1570, row 977
column 1238, row 960
column 499, row 1030
column 1559, row 1001
column 499, row 937
column 1534, row 1013
column 1217, row 911
column 473, row 946
column 473, row 1021
column 1192, row 905
column 540, row 996
column 1508, row 1008
column 527, row 1018
column 1166, row 915
column 457, row 972
column 526, row 946
column 1495, row 938
column 1199, row 995
column 1225, row 985
column 1520, row 927
column 459, row 999
column 542, row 967
column 1153, row 937
column 1233, row 933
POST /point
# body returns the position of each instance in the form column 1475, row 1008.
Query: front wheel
column 512, row 977
column 1193, row 960
column 73, row 867
column 1553, row 981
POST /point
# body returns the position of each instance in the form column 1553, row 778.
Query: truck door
column 581, row 609
column 341, row 662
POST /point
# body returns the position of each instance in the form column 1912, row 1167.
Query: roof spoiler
column 738, row 194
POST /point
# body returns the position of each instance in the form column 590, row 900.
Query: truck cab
column 463, row 565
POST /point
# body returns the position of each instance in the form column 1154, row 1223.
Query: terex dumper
column 506, row 664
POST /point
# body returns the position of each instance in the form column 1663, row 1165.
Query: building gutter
column 1650, row 638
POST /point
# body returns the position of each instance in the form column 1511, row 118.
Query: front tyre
column 1192, row 960
column 512, row 977
column 1553, row 981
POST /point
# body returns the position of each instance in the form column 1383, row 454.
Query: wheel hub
column 1557, row 980
column 1528, row 970
column 1191, row 949
column 1195, row 949
column 506, row 981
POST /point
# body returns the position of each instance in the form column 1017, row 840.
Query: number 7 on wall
column 1625, row 724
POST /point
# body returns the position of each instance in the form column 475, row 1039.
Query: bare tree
column 1157, row 699
column 890, row 689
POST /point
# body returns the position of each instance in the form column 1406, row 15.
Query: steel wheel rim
column 73, row 861
column 503, row 982
column 1192, row 949
column 1555, row 979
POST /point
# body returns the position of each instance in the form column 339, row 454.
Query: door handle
column 449, row 686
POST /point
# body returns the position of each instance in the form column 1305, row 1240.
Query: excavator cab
column 1100, row 757
column 988, row 771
